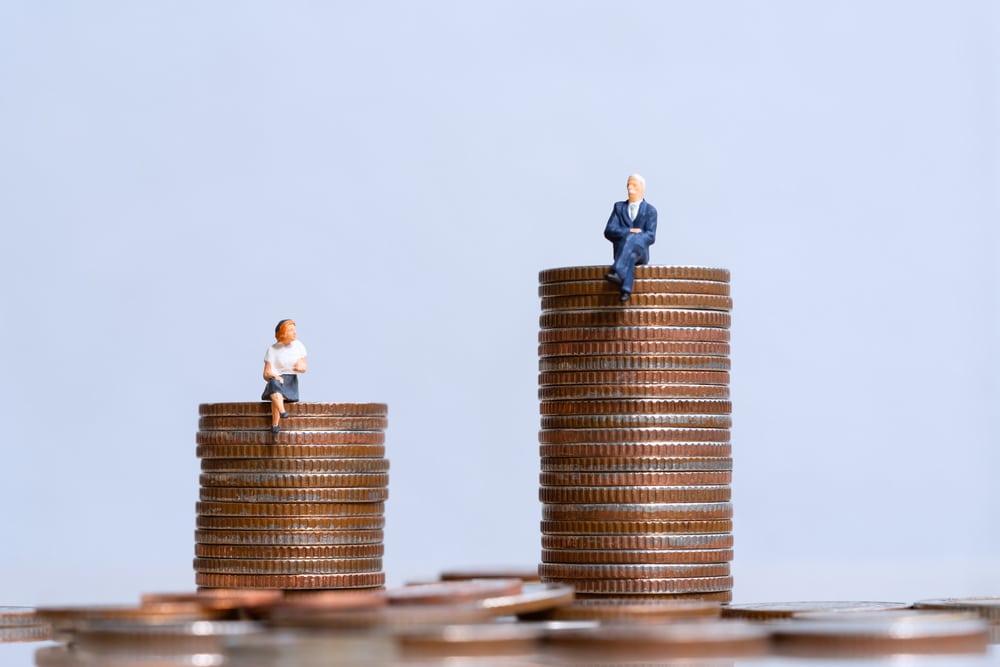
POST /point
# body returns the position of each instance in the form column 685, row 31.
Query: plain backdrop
column 178, row 176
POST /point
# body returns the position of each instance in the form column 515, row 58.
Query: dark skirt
column 290, row 390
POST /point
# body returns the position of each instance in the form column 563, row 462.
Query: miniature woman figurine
column 283, row 362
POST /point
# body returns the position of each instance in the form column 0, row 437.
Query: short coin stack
column 300, row 509
column 635, row 415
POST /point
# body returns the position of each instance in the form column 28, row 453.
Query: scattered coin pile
column 635, row 415
column 300, row 509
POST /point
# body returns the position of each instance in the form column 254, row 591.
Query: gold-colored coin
column 636, row 362
column 266, row 438
column 636, row 511
column 297, row 409
column 289, row 552
column 294, row 480
column 637, row 449
column 627, row 334
column 642, row 272
column 638, row 300
column 310, row 581
column 603, row 286
column 635, row 478
column 287, row 565
column 286, row 523
column 635, row 494
column 563, row 571
column 623, row 316
column 305, row 423
column 637, row 407
column 622, row 435
column 635, row 421
column 618, row 378
column 241, row 509
column 647, row 586
column 639, row 542
column 267, row 464
column 287, row 537
column 236, row 494
column 648, row 557
column 635, row 527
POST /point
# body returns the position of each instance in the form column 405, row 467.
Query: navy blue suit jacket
column 617, row 229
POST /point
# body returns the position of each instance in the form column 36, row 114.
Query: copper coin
column 647, row 643
column 634, row 464
column 67, row 619
column 261, row 437
column 636, row 407
column 290, row 451
column 647, row 286
column 987, row 607
column 634, row 478
column 635, row 527
column 635, row 421
column 632, row 377
column 286, row 523
column 717, row 596
column 294, row 480
column 526, row 574
column 615, row 435
column 309, row 537
column 236, row 494
column 636, row 511
column 320, row 601
column 639, row 300
column 563, row 571
column 584, row 392
column 642, row 272
column 289, row 509
column 17, row 616
column 631, row 349
column 648, row 586
column 633, row 317
column 450, row 592
column 774, row 610
column 293, row 424
column 849, row 638
column 287, row 565
column 633, row 333
column 348, row 580
column 652, row 450
column 25, row 633
column 638, row 542
column 289, row 552
column 218, row 598
column 636, row 610
column 472, row 641
column 534, row 598
column 263, row 409
column 635, row 494
column 295, row 465
column 647, row 557
column 635, row 362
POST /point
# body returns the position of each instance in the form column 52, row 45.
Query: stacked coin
column 635, row 415
column 299, row 509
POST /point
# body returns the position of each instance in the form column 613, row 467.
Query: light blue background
column 177, row 176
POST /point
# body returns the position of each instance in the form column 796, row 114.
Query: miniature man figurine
column 632, row 229
column 283, row 362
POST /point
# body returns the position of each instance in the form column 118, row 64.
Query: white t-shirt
column 283, row 357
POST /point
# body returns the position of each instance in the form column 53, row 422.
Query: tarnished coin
column 636, row 407
column 348, row 580
column 624, row 316
column 587, row 333
column 290, row 451
column 638, row 541
column 294, row 480
column 987, row 607
column 635, row 494
column 637, row 464
column 565, row 571
column 651, row 450
column 237, row 494
column 613, row 435
column 306, row 423
column 634, row 478
column 644, row 362
column 287, row 565
column 647, row 286
column 647, row 585
column 263, row 409
column 612, row 556
column 572, row 302
column 636, row 511
column 632, row 348
column 289, row 552
column 309, row 537
column 255, row 523
column 636, row 610
column 647, row 643
column 635, row 527
column 289, row 509
column 635, row 421
column 260, row 437
column 642, row 272
column 295, row 465
column 774, row 610
column 583, row 392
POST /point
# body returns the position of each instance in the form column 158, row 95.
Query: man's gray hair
column 638, row 177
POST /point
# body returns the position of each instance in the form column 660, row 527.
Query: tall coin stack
column 300, row 509
column 635, row 415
